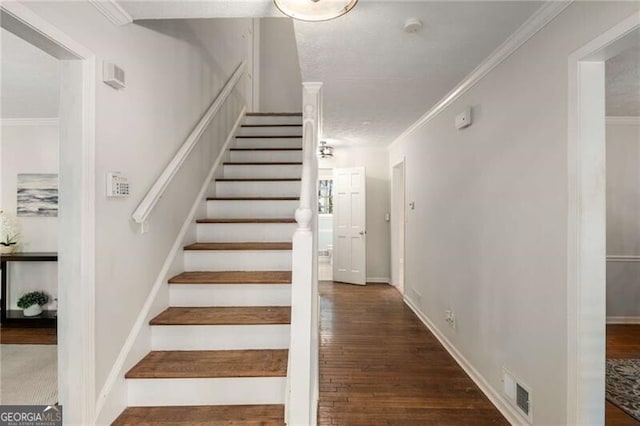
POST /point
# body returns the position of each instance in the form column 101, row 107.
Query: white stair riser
column 219, row 337
column 223, row 391
column 246, row 232
column 280, row 171
column 237, row 260
column 270, row 131
column 273, row 119
column 246, row 209
column 206, row 295
column 268, row 143
column 265, row 156
column 258, row 189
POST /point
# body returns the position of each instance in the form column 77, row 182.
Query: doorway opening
column 76, row 218
column 325, row 224
column 28, row 223
column 398, row 219
column 587, row 245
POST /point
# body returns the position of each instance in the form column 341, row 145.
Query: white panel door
column 349, row 231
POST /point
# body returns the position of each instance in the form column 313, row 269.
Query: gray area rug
column 623, row 385
column 28, row 374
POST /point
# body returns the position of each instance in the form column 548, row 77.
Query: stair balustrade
column 303, row 379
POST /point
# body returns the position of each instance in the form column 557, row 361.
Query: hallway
column 380, row 365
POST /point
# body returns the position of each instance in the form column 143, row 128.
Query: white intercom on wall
column 117, row 185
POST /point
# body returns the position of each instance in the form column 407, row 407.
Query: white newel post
column 303, row 351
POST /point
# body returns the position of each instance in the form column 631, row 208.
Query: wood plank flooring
column 251, row 315
column 211, row 364
column 246, row 415
column 28, row 336
column 623, row 341
column 379, row 365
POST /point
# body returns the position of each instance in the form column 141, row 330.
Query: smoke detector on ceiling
column 412, row 25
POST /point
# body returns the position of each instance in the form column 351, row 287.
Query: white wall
column 623, row 217
column 172, row 77
column 30, row 79
column 488, row 236
column 29, row 148
column 376, row 164
column 280, row 79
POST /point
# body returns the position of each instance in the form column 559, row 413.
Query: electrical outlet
column 450, row 318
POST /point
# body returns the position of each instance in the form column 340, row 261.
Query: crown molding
column 112, row 11
column 50, row 121
column 624, row 121
column 545, row 14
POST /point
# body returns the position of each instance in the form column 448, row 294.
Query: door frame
column 396, row 246
column 76, row 268
column 586, row 239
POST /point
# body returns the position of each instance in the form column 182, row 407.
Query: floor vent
column 517, row 394
column 522, row 399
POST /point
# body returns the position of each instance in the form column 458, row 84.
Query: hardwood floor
column 623, row 341
column 379, row 365
column 28, row 336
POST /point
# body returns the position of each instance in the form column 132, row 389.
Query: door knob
column 362, row 232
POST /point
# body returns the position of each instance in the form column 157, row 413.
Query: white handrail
column 150, row 200
column 302, row 377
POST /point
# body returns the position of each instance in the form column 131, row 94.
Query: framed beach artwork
column 37, row 195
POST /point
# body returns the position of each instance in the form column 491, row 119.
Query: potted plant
column 31, row 303
column 9, row 244
column 8, row 235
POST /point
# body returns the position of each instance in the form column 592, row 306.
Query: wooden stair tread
column 248, row 415
column 240, row 246
column 232, row 277
column 259, row 180
column 265, row 149
column 211, row 364
column 267, row 137
column 253, row 220
column 271, row 125
column 251, row 315
column 253, row 199
column 275, row 114
column 262, row 164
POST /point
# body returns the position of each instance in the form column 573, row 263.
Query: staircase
column 219, row 352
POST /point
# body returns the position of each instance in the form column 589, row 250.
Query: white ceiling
column 377, row 79
column 163, row 9
column 30, row 83
column 623, row 84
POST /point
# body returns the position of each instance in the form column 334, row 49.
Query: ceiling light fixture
column 324, row 150
column 315, row 10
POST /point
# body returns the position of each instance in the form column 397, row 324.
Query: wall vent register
column 518, row 394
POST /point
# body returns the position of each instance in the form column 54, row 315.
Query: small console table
column 15, row 318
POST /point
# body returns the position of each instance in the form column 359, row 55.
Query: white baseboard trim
column 47, row 121
column 118, row 370
column 383, row 280
column 623, row 258
column 623, row 320
column 623, row 121
column 507, row 410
